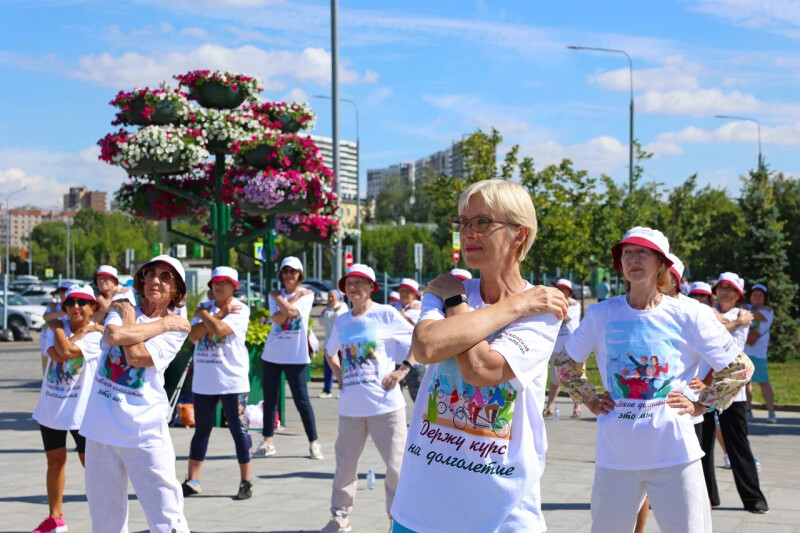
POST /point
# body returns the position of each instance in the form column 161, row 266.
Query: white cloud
column 377, row 96
column 48, row 175
column 479, row 114
column 735, row 132
column 781, row 17
column 296, row 95
column 602, row 154
column 198, row 33
column 662, row 147
column 135, row 69
column 675, row 74
column 699, row 103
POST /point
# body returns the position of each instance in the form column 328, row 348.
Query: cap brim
column 415, row 291
column 616, row 250
column 375, row 286
column 224, row 278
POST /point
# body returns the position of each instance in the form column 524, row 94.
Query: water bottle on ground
column 556, row 415
column 371, row 479
column 758, row 467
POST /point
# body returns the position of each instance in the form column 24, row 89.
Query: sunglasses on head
column 165, row 276
column 479, row 224
column 77, row 301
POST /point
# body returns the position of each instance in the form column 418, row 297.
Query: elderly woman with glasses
column 126, row 418
column 490, row 340
column 648, row 347
column 286, row 351
column 73, row 351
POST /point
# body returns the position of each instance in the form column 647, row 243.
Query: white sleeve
column 712, row 341
column 432, row 308
column 304, row 305
column 113, row 318
column 90, row 345
column 239, row 322
column 332, row 342
column 525, row 344
column 163, row 348
column 583, row 340
column 400, row 333
column 273, row 305
column 740, row 336
column 574, row 314
column 49, row 339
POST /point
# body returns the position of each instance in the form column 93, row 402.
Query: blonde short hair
column 509, row 199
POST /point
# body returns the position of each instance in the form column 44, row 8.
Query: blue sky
column 423, row 74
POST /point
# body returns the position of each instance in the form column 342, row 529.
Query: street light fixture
column 758, row 124
column 8, row 254
column 358, row 170
column 630, row 139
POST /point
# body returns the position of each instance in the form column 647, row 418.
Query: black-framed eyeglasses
column 479, row 224
column 165, row 276
column 76, row 301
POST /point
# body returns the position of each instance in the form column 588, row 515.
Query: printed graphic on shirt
column 480, row 411
column 293, row 324
column 115, row 368
column 64, row 374
column 359, row 364
column 642, row 359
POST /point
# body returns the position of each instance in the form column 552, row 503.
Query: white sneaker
column 772, row 419
column 316, row 453
column 337, row 525
column 265, row 450
column 325, row 395
column 726, row 461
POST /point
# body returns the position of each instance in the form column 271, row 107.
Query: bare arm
column 131, row 333
column 53, row 354
column 53, row 313
column 286, row 307
column 65, row 347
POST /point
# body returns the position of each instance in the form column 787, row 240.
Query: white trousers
column 152, row 474
column 677, row 495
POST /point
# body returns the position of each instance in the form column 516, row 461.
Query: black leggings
column 205, row 410
column 297, row 376
column 54, row 439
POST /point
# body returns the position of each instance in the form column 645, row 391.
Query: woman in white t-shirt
column 73, row 351
column 568, row 325
column 125, row 424
column 372, row 339
column 410, row 309
column 221, row 375
column 756, row 348
column 648, row 347
column 473, row 463
column 286, row 351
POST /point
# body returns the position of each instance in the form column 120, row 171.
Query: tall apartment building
column 24, row 220
column 377, row 176
column 81, row 197
column 348, row 163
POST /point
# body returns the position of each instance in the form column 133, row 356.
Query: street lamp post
column 68, row 221
column 758, row 124
column 630, row 138
column 8, row 254
column 358, row 171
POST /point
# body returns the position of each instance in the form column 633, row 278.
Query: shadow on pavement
column 18, row 421
column 565, row 506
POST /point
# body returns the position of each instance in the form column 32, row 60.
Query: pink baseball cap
column 223, row 273
column 732, row 279
column 362, row 271
column 647, row 237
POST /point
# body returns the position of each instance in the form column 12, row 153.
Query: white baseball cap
column 732, row 279
column 171, row 261
column 394, row 296
column 362, row 271
column 676, row 268
column 106, row 270
column 223, row 273
column 563, row 282
column 409, row 284
column 461, row 274
column 700, row 287
column 647, row 237
column 292, row 262
column 79, row 291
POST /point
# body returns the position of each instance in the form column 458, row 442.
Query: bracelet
column 406, row 364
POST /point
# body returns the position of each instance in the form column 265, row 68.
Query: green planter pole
column 268, row 275
column 223, row 222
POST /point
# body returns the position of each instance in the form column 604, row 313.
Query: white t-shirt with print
column 568, row 326
column 371, row 345
column 759, row 348
column 66, row 386
column 642, row 356
column 128, row 406
column 287, row 343
column 475, row 455
column 222, row 365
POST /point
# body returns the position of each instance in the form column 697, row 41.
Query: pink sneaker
column 52, row 525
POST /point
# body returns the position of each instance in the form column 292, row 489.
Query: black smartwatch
column 406, row 363
column 453, row 301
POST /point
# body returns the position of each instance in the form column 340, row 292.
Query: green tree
column 764, row 260
column 786, row 192
column 393, row 201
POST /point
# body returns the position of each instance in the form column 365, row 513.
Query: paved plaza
column 292, row 492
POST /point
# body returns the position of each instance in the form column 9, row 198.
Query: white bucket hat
column 362, row 271
column 676, row 268
column 410, row 284
column 732, row 279
column 647, row 237
column 461, row 274
column 79, row 291
column 106, row 270
column 394, row 296
column 700, row 287
column 223, row 273
column 563, row 282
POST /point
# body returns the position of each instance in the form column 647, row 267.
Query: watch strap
column 453, row 301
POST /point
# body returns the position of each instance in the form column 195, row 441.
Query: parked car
column 21, row 314
column 39, row 294
column 320, row 295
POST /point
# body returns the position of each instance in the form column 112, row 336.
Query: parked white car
column 22, row 312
